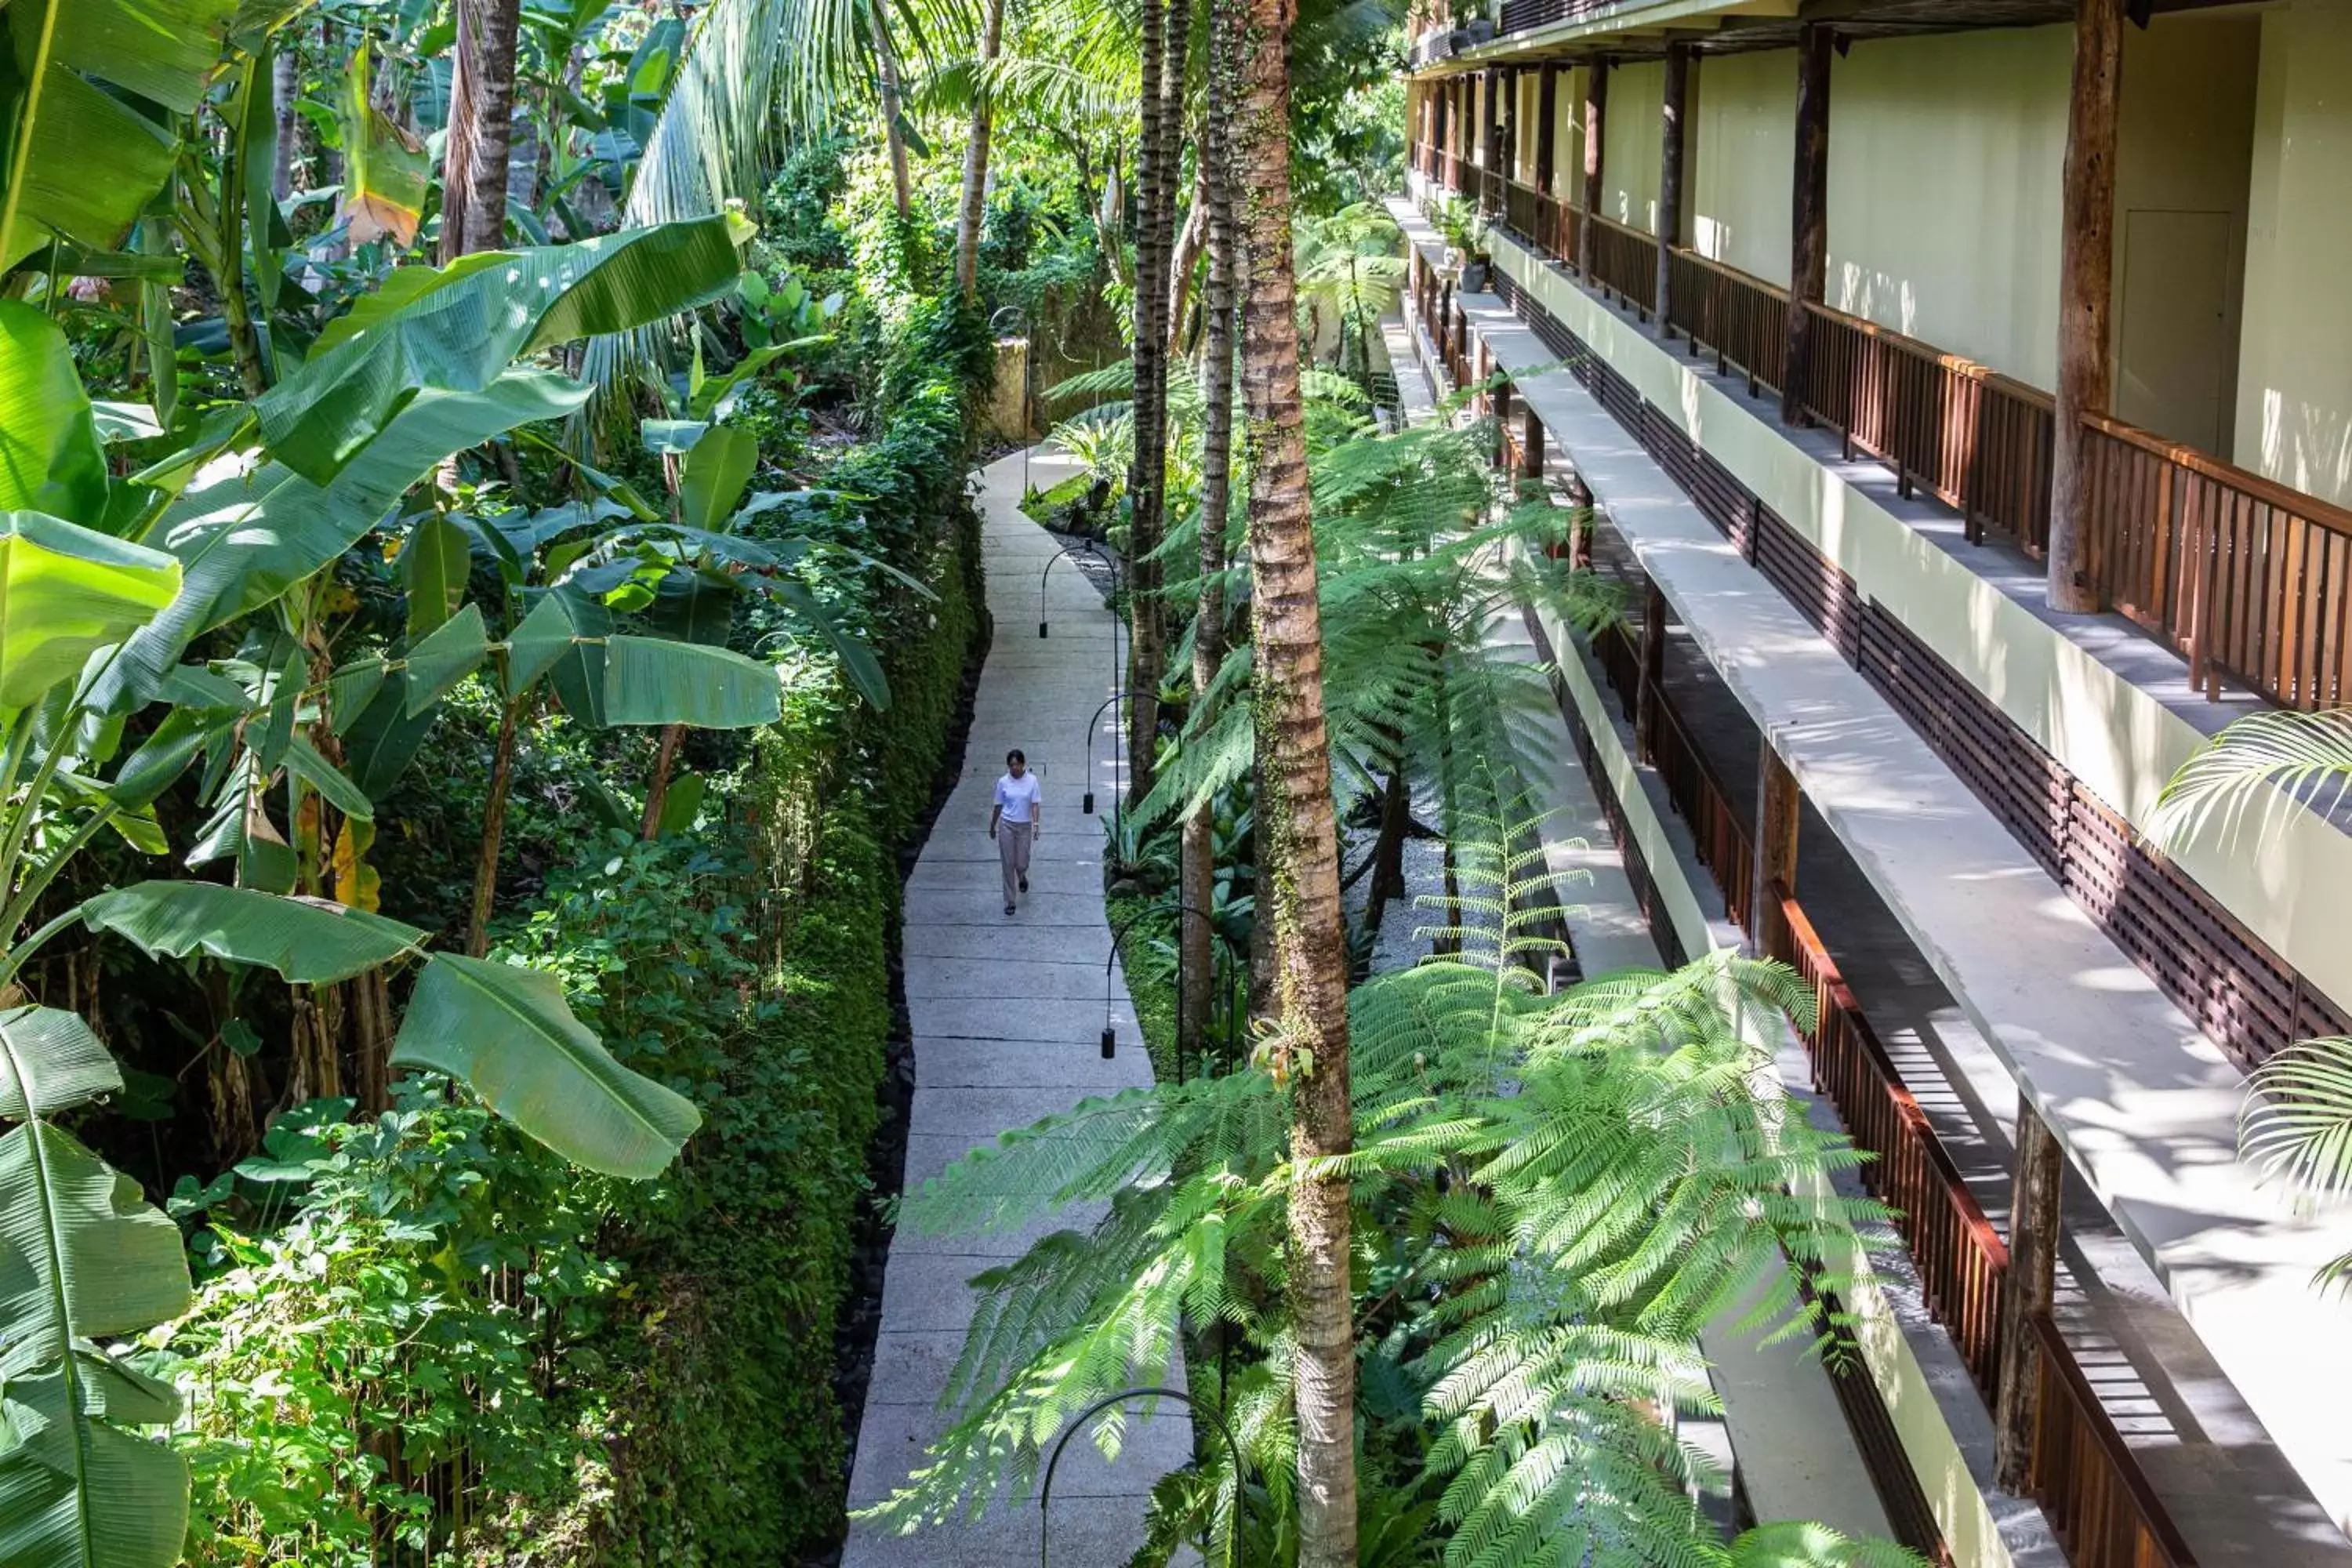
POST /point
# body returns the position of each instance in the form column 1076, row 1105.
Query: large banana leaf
column 91, row 161
column 245, row 537
column 506, row 1032
column 50, row 456
column 458, row 327
column 307, row 942
column 653, row 680
column 49, row 1060
column 64, row 592
column 82, row 1255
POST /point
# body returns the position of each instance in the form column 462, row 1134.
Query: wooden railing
column 1975, row 439
column 2088, row 1484
column 1626, row 262
column 1742, row 320
column 1520, row 16
column 2245, row 577
column 1962, row 1262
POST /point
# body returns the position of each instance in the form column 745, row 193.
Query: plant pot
column 1476, row 275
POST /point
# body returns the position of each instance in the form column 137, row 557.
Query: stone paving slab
column 1007, row 1015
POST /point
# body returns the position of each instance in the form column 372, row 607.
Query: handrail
column 2103, row 1509
column 2242, row 575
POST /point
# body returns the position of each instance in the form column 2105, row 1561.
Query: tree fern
column 1560, row 1190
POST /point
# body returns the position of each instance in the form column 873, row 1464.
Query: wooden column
column 1547, row 127
column 2086, row 256
column 1579, row 523
column 1501, row 404
column 1809, row 232
column 2033, row 1277
column 1677, row 97
column 1490, row 128
column 1778, row 811
column 1653, row 670
column 1509, row 79
column 1596, row 107
column 1531, row 444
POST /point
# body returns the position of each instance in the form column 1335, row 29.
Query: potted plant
column 1465, row 233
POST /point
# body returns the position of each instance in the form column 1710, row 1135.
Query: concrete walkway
column 1007, row 1014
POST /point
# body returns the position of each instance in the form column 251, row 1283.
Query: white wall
column 1945, row 160
column 1740, row 154
column 1629, row 139
column 2294, row 379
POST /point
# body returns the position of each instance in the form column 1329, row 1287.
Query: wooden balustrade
column 2084, row 1477
column 2247, row 577
column 1744, row 320
column 1975, row 439
column 1626, row 262
column 1724, row 843
column 1523, row 16
column 1962, row 1263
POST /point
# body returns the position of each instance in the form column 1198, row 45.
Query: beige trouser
column 1013, row 854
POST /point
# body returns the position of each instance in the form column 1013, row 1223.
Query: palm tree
column 481, row 127
column 2297, row 1121
column 1299, row 867
column 1197, row 865
column 975, row 158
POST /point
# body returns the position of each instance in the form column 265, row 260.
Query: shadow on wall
column 2312, row 451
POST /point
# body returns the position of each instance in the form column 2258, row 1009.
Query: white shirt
column 1019, row 798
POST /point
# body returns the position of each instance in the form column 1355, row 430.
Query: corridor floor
column 1007, row 1015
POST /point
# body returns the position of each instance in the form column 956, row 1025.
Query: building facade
column 1964, row 390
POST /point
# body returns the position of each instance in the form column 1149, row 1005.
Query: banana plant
column 106, row 584
column 80, row 162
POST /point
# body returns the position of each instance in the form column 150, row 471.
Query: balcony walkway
column 2145, row 1108
column 1007, row 1015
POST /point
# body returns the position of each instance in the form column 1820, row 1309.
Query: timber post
column 1672, row 133
column 2087, row 253
column 1579, row 523
column 2033, row 1278
column 1596, row 112
column 1809, row 237
column 1654, row 670
column 1779, row 814
column 1530, row 443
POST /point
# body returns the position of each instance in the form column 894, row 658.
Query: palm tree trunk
column 1299, row 878
column 1147, row 469
column 493, row 826
column 886, row 79
column 975, row 160
column 481, row 127
column 1213, row 205
column 1190, row 241
column 286, row 86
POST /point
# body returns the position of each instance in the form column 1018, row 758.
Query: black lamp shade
column 1109, row 1042
column 1087, row 805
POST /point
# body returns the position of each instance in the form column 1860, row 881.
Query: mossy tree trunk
column 1299, row 876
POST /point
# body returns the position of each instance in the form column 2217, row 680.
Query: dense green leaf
column 50, row 458
column 305, row 763
column 440, row 661
column 66, row 592
column 306, row 940
column 433, row 565
column 652, row 681
column 386, row 175
column 506, row 1032
column 458, row 329
column 714, row 475
column 549, row 633
column 82, row 1255
column 50, row 1061
column 92, row 159
column 247, row 536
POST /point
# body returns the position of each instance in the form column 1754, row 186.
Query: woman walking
column 1012, row 823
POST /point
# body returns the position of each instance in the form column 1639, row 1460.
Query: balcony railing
column 1523, row 16
column 2087, row 1480
column 2244, row 577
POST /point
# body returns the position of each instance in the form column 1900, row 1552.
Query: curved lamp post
column 1086, row 803
column 1119, row 934
column 1046, row 1493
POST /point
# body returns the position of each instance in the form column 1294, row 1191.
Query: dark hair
column 1014, row 756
